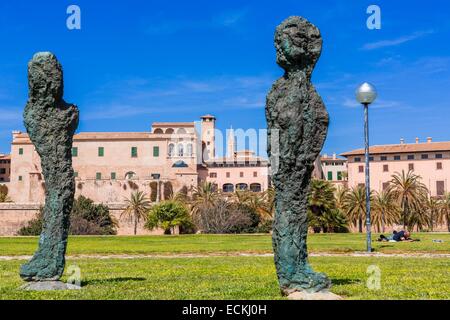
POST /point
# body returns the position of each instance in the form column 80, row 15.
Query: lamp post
column 366, row 94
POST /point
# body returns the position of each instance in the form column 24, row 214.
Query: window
column 156, row 151
column 241, row 174
column 383, row 158
column 361, row 169
column 440, row 188
column 98, row 176
column 74, row 152
column 358, row 159
column 424, row 156
column 330, row 175
column 385, row 186
column 101, row 151
column 213, row 175
column 241, row 186
column 180, row 150
column 20, row 178
column 2, row 170
column 371, row 158
column 20, row 151
column 339, row 175
column 75, row 174
column 411, row 167
column 171, row 150
column 228, row 187
column 113, row 176
column 228, row 174
column 411, row 157
column 255, row 174
column 438, row 155
column 439, row 166
column 134, row 152
column 397, row 158
column 385, row 168
column 255, row 187
column 189, row 150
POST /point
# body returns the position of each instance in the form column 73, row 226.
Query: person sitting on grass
column 397, row 236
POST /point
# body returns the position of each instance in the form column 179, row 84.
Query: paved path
column 236, row 254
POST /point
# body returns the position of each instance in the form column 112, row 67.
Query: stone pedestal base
column 321, row 295
column 48, row 286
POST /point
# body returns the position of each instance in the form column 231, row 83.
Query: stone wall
column 14, row 216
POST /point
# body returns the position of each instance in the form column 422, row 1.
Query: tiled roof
column 23, row 137
column 173, row 124
column 403, row 148
column 5, row 157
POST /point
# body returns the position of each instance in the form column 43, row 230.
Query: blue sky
column 134, row 62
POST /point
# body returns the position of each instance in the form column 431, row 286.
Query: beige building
column 109, row 165
column 430, row 160
column 238, row 170
column 5, row 167
column 333, row 169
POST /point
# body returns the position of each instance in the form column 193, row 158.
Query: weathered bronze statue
column 51, row 124
column 297, row 127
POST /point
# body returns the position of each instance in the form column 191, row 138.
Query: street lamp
column 366, row 94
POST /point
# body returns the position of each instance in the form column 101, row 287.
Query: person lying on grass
column 397, row 236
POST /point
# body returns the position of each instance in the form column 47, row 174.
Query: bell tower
column 208, row 127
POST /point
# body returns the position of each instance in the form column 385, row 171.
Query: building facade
column 430, row 160
column 110, row 165
column 333, row 169
column 5, row 168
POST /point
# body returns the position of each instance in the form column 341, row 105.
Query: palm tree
column 385, row 210
column 321, row 201
column 432, row 208
column 137, row 207
column 168, row 215
column 355, row 206
column 339, row 196
column 410, row 194
column 4, row 194
column 204, row 196
column 444, row 211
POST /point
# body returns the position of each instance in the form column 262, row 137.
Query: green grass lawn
column 236, row 278
column 202, row 244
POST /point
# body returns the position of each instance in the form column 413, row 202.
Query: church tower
column 231, row 146
column 208, row 127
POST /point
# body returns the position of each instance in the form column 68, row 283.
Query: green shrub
column 86, row 218
column 168, row 215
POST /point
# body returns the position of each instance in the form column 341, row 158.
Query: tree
column 222, row 217
column 203, row 196
column 4, row 194
column 355, row 206
column 444, row 211
column 385, row 210
column 137, row 207
column 410, row 194
column 168, row 215
column 321, row 202
column 432, row 211
column 86, row 218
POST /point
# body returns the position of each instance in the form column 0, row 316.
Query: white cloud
column 395, row 42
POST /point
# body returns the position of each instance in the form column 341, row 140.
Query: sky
column 136, row 62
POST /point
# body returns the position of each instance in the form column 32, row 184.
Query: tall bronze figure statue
column 297, row 126
column 51, row 124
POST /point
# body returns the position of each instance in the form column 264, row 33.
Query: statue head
column 45, row 76
column 298, row 43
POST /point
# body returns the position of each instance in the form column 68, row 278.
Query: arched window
column 171, row 150
column 130, row 175
column 255, row 187
column 180, row 150
column 169, row 131
column 241, row 186
column 181, row 131
column 158, row 131
column 189, row 150
column 227, row 187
